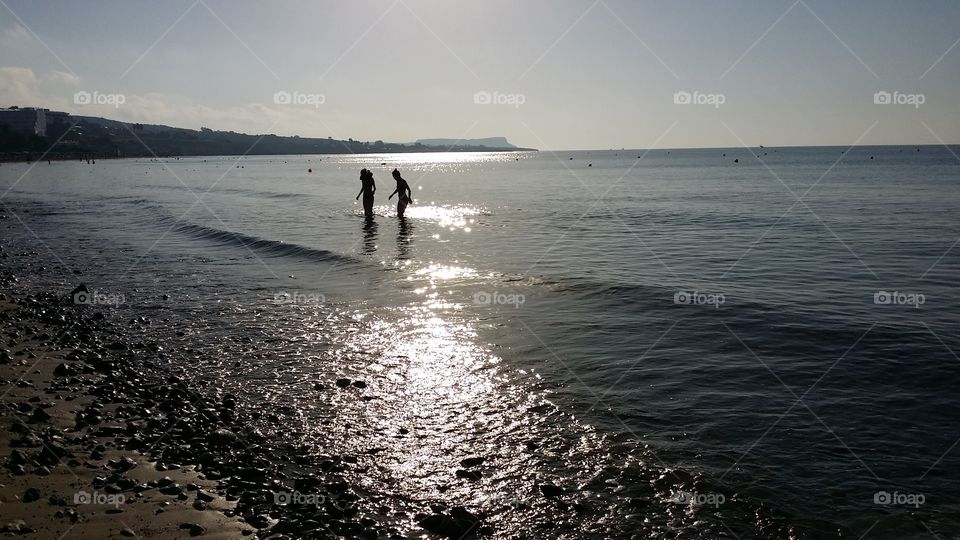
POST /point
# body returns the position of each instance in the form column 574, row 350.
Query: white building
column 28, row 119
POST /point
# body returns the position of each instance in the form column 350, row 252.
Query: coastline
column 100, row 441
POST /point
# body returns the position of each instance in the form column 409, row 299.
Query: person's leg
column 368, row 206
column 401, row 207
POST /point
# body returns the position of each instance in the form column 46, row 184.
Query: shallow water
column 530, row 310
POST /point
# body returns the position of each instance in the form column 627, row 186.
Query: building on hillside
column 27, row 119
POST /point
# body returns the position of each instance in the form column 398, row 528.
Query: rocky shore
column 99, row 441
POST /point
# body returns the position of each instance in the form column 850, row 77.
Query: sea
column 687, row 343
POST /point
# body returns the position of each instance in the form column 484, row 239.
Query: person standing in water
column 404, row 193
column 367, row 188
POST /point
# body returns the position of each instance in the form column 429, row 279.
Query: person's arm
column 359, row 194
column 374, row 184
column 392, row 194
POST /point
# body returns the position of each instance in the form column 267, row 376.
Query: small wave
column 235, row 191
column 272, row 248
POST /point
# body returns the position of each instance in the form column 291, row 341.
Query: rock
column 359, row 384
column 124, row 465
column 110, row 431
column 65, row 369
column 204, row 496
column 343, row 383
column 458, row 524
column 469, row 475
column 472, row 462
column 127, row 532
column 127, row 484
column 31, row 495
column 172, row 489
column 550, row 490
column 223, row 437
column 18, row 457
column 39, row 415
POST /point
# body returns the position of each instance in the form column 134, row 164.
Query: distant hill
column 103, row 137
column 489, row 142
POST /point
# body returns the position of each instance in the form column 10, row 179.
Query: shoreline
column 100, row 441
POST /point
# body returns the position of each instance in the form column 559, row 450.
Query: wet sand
column 66, row 480
column 100, row 441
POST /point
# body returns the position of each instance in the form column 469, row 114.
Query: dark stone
column 551, row 490
column 472, row 462
column 469, row 475
column 460, row 523
column 343, row 383
column 39, row 415
column 31, row 495
column 223, row 437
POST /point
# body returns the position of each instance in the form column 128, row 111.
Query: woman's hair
column 396, row 173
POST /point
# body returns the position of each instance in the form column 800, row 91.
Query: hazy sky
column 568, row 74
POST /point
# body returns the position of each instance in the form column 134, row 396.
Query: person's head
column 396, row 174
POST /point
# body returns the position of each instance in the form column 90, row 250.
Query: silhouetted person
column 404, row 193
column 367, row 188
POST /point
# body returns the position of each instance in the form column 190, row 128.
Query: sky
column 548, row 74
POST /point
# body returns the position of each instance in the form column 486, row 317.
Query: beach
column 501, row 363
column 104, row 444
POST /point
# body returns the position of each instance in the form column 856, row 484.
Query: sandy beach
column 100, row 442
column 76, row 465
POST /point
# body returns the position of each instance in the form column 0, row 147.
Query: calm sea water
column 690, row 347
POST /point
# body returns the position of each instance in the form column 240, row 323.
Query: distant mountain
column 489, row 142
column 94, row 136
